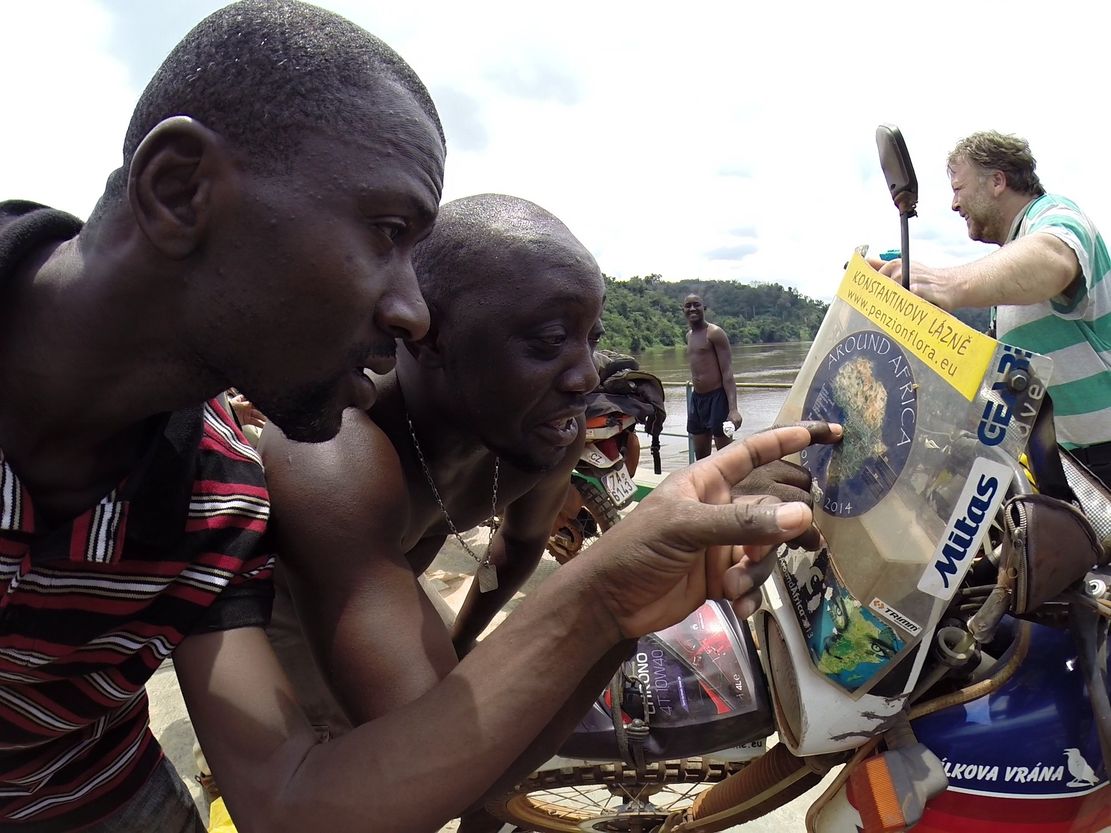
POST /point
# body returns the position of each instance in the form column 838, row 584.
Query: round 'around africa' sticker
column 865, row 383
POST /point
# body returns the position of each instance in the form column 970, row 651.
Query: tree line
column 644, row 312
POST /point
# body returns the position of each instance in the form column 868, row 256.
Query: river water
column 752, row 363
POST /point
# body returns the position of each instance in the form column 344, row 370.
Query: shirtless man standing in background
column 715, row 393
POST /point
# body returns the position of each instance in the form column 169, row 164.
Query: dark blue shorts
column 706, row 412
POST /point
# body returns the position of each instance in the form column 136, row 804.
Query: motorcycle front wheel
column 608, row 798
column 597, row 515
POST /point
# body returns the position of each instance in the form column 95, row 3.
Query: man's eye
column 548, row 343
column 393, row 231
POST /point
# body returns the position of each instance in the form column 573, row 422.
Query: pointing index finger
column 736, row 460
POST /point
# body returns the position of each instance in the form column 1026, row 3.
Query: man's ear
column 170, row 183
column 998, row 182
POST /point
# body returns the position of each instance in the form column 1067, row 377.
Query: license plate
column 619, row 485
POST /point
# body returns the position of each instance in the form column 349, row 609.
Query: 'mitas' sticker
column 972, row 516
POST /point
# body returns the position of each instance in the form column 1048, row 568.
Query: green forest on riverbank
column 648, row 312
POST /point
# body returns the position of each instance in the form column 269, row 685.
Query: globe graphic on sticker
column 866, row 383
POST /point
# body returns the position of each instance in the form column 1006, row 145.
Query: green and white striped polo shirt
column 1075, row 332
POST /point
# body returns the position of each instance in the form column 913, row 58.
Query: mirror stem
column 904, row 228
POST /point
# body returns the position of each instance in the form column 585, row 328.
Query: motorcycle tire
column 600, row 514
column 608, row 797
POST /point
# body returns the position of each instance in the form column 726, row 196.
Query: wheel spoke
column 580, row 795
column 677, row 796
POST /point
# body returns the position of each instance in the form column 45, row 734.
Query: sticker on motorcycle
column 865, row 383
column 895, row 617
column 911, row 385
column 972, row 516
column 595, row 458
column 848, row 642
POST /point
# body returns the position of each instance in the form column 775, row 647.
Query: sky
column 731, row 140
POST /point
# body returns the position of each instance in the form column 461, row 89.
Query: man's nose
column 582, row 376
column 401, row 311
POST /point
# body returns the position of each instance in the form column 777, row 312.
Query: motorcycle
column 977, row 700
column 602, row 482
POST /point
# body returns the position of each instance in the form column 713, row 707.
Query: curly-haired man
column 1047, row 283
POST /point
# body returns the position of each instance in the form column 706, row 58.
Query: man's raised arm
column 1029, row 270
column 425, row 762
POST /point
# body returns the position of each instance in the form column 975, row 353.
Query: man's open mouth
column 561, row 431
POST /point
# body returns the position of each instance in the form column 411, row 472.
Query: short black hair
column 474, row 239
column 259, row 72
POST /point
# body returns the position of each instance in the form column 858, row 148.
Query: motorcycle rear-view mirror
column 897, row 168
column 901, row 182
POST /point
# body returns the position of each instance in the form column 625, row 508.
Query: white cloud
column 68, row 110
column 657, row 131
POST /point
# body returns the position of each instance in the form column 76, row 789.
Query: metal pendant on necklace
column 487, row 575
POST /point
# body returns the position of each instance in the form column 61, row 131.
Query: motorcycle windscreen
column 936, row 415
column 697, row 684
